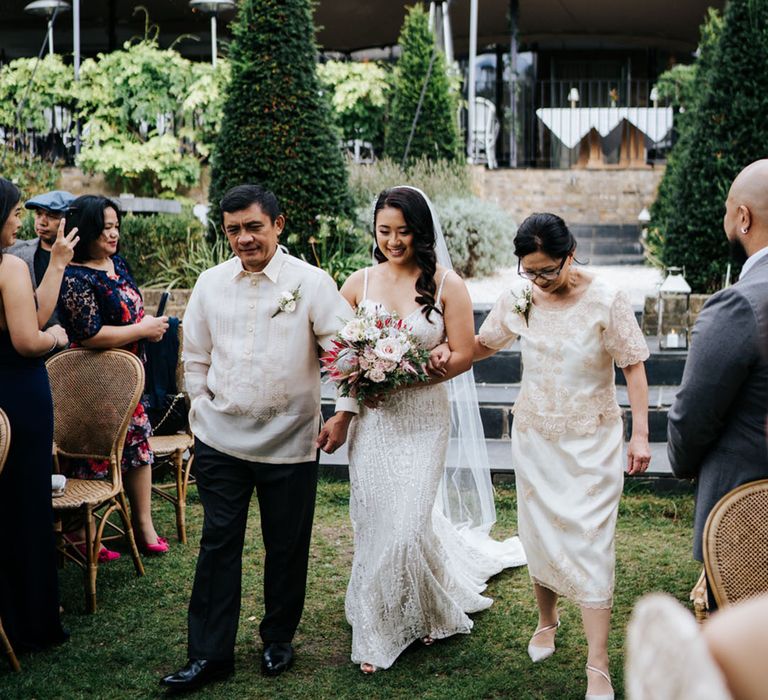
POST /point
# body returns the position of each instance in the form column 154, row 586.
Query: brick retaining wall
column 579, row 196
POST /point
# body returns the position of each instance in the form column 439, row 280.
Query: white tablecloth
column 572, row 125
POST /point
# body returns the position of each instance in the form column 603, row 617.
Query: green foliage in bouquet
column 721, row 136
column 436, row 133
column 277, row 129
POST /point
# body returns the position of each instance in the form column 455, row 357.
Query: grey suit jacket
column 26, row 251
column 716, row 429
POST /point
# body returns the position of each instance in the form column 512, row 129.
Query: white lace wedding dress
column 413, row 574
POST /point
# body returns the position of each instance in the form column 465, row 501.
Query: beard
column 738, row 253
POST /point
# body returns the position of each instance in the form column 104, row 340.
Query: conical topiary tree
column 277, row 128
column 726, row 131
column 435, row 136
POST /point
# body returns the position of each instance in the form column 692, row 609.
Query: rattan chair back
column 735, row 543
column 95, row 393
column 5, row 438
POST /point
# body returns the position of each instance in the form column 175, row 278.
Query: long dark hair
column 86, row 214
column 418, row 219
column 9, row 198
column 546, row 233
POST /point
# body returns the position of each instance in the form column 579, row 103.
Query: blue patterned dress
column 91, row 299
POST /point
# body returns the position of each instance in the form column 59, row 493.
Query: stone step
column 496, row 403
column 336, row 466
column 663, row 367
column 619, row 259
column 595, row 232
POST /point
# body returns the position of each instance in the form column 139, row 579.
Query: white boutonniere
column 287, row 301
column 523, row 303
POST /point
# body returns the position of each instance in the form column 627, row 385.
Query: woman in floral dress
column 567, row 434
column 101, row 307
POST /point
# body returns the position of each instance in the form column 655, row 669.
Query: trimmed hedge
column 435, row 136
column 726, row 130
column 277, row 127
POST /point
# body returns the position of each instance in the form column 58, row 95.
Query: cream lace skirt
column 568, row 493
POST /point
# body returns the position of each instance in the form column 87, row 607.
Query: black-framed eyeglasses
column 544, row 274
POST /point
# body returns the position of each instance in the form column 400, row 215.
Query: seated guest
column 101, row 307
column 49, row 209
column 29, row 595
column 671, row 657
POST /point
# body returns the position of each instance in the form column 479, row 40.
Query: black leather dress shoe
column 197, row 673
column 277, row 657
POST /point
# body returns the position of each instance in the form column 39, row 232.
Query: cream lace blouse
column 568, row 356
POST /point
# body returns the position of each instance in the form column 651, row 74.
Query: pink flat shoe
column 105, row 555
column 160, row 547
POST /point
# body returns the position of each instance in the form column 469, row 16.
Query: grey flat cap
column 56, row 201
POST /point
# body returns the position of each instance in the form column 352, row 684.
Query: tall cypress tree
column 435, row 136
column 727, row 130
column 277, row 127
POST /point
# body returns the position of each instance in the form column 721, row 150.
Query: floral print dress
column 91, row 299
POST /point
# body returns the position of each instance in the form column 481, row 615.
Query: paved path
column 637, row 280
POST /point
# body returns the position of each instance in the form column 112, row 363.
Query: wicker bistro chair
column 736, row 544
column 94, row 396
column 5, row 444
column 177, row 451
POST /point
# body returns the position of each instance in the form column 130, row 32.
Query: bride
column 421, row 502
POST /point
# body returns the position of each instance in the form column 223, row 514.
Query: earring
column 744, row 229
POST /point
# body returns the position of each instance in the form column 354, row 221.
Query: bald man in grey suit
column 716, row 429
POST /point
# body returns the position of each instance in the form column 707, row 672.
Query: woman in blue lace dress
column 29, row 591
column 101, row 307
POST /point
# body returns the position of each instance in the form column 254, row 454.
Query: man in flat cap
column 49, row 209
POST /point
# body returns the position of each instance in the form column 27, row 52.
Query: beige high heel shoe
column 538, row 654
column 592, row 696
column 368, row 669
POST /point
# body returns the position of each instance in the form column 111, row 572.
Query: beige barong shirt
column 251, row 370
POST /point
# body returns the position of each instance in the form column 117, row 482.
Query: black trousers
column 286, row 494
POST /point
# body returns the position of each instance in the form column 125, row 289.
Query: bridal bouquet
column 373, row 354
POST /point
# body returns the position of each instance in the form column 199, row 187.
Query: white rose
column 372, row 333
column 286, row 296
column 353, row 331
column 389, row 349
column 289, row 307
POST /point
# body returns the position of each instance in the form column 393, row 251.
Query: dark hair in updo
column 418, row 218
column 9, row 198
column 546, row 233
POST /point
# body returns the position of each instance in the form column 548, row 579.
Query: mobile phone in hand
column 161, row 306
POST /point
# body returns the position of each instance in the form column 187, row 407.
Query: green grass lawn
column 139, row 631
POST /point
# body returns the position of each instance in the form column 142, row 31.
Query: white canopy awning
column 570, row 125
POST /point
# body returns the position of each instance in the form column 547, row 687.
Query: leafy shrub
column 437, row 178
column 359, row 97
column 181, row 269
column 339, row 247
column 52, row 87
column 479, row 235
column 277, row 129
column 31, row 175
column 151, row 243
column 436, row 132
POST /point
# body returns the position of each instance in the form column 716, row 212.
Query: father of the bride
column 251, row 335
